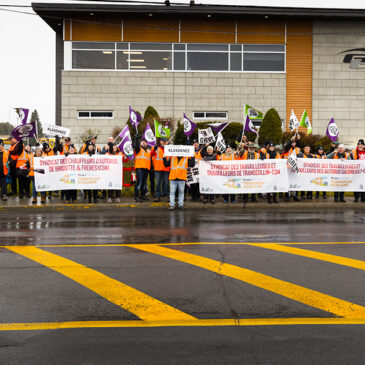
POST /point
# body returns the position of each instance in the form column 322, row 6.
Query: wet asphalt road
column 33, row 293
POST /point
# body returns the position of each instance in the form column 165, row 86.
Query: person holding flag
column 178, row 176
column 292, row 145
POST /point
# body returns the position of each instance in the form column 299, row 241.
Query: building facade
column 207, row 61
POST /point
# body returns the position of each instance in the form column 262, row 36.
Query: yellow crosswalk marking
column 181, row 323
column 130, row 299
column 301, row 294
column 339, row 260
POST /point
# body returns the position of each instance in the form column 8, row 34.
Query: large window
column 178, row 57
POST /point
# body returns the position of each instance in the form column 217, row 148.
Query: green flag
column 305, row 122
column 161, row 131
column 252, row 113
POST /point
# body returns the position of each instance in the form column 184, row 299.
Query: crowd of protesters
column 158, row 176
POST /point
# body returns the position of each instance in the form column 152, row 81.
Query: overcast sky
column 27, row 56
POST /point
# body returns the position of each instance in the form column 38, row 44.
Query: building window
column 210, row 115
column 95, row 114
column 138, row 56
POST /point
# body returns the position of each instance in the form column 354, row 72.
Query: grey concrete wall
column 170, row 93
column 338, row 91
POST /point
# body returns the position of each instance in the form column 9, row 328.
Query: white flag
column 220, row 143
column 293, row 121
column 293, row 161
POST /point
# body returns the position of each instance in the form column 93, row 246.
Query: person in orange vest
column 62, row 145
column 142, row 164
column 272, row 154
column 321, row 155
column 21, row 162
column 228, row 155
column 264, row 149
column 306, row 154
column 4, row 170
column 91, row 139
column 16, row 148
column 38, row 153
column 359, row 154
column 161, row 172
column 178, row 176
column 339, row 154
column 292, row 145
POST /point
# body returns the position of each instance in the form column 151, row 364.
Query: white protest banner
column 193, row 173
column 181, row 151
column 328, row 175
column 56, row 130
column 221, row 143
column 243, row 176
column 79, row 172
column 206, row 136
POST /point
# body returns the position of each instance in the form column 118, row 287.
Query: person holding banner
column 161, row 172
column 337, row 155
column 228, row 155
column 142, row 165
column 271, row 154
column 359, row 154
column 107, row 147
column 91, row 139
column 208, row 154
column 70, row 195
column 321, row 155
column 113, row 150
column 306, row 154
column 90, row 151
column 178, row 176
column 62, row 146
column 38, row 153
column 4, row 170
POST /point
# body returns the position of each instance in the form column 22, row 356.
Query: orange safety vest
column 179, row 169
column 83, row 149
column 31, row 162
column 335, row 156
column 245, row 155
column 143, row 160
column 22, row 159
column 13, row 157
column 305, row 156
column 198, row 155
column 50, row 153
column 5, row 162
column 320, row 156
column 65, row 149
column 267, row 156
column 263, row 150
column 225, row 157
column 288, row 153
column 157, row 161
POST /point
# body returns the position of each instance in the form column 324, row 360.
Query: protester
column 306, row 154
column 71, row 195
column 178, row 176
column 113, row 150
column 38, row 153
column 150, row 176
column 16, row 148
column 195, row 188
column 272, row 154
column 142, row 165
column 292, row 145
column 4, row 170
column 339, row 153
column 62, row 146
column 228, row 155
column 321, row 155
column 359, row 154
column 208, row 154
column 263, row 151
column 161, row 172
column 90, row 151
column 91, row 139
column 107, row 147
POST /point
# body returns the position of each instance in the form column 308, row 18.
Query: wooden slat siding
column 137, row 29
column 299, row 69
column 207, row 27
column 103, row 30
column 262, row 29
column 67, row 30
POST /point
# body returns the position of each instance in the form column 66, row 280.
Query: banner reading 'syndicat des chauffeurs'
column 243, row 176
column 79, row 172
column 328, row 175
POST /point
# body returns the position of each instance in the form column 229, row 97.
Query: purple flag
column 332, row 130
column 249, row 127
column 217, row 127
column 125, row 142
column 149, row 136
column 134, row 117
column 24, row 131
column 189, row 126
column 22, row 115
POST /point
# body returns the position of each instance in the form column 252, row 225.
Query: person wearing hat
column 91, row 139
column 4, row 170
column 250, row 154
column 339, row 154
column 265, row 148
column 321, row 155
column 359, row 154
column 272, row 154
column 161, row 172
column 142, row 164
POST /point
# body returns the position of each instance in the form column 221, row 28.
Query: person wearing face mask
column 142, row 164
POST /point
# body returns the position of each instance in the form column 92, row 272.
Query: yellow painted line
column 301, row 294
column 201, row 243
column 130, row 299
column 181, row 323
column 339, row 260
